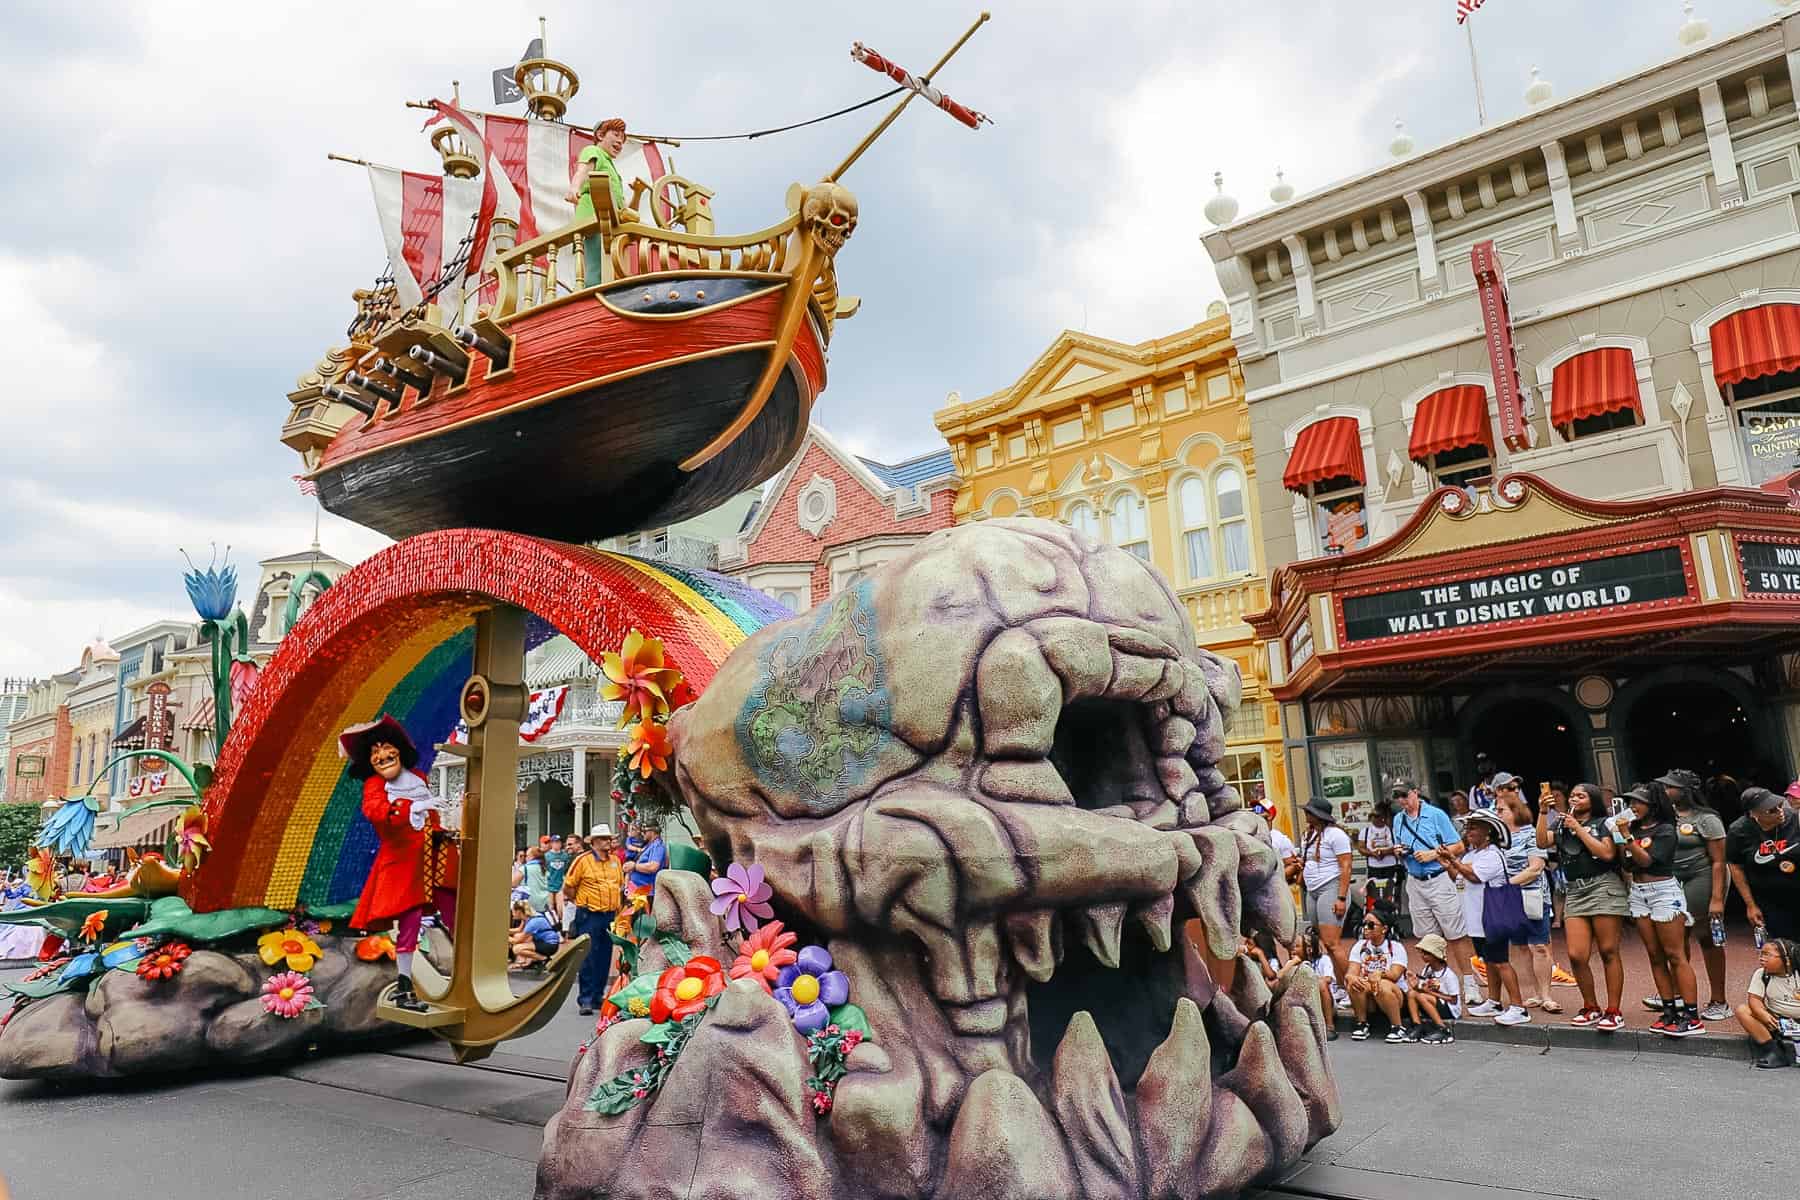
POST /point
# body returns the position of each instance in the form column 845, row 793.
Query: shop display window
column 1766, row 414
column 1468, row 467
column 1340, row 515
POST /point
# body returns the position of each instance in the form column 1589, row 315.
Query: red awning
column 1450, row 419
column 1328, row 449
column 1764, row 340
column 1592, row 385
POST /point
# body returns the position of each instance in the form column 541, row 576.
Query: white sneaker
column 1343, row 1003
column 1513, row 1015
column 1716, row 1012
column 1486, row 1008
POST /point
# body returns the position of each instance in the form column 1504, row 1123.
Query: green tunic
column 602, row 161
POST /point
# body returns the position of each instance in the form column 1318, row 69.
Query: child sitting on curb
column 1770, row 1014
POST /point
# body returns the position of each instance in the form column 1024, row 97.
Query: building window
column 156, row 659
column 1234, row 523
column 1218, row 388
column 93, row 755
column 984, row 456
column 1244, row 772
column 1066, row 433
column 1130, row 528
column 1197, row 529
column 1766, row 412
column 1115, row 418
column 1174, row 401
column 1619, row 418
column 1339, row 515
column 1015, row 448
column 75, row 770
column 790, row 599
column 1083, row 519
column 1464, row 467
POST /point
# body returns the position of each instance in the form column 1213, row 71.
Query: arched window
column 790, row 599
column 93, row 756
column 1083, row 519
column 1130, row 528
column 1196, row 529
column 75, row 770
column 1234, row 525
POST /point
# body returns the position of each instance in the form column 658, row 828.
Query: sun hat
column 1434, row 945
column 1492, row 820
column 1321, row 808
column 601, row 830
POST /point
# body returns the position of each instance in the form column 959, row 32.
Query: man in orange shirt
column 596, row 885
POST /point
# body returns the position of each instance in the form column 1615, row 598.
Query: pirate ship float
column 564, row 376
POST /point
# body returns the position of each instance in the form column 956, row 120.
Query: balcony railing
column 585, row 707
column 1220, row 607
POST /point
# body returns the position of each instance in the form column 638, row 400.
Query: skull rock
column 987, row 775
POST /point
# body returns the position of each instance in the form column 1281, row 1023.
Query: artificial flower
column 646, row 748
column 244, row 673
column 683, row 991
column 742, row 898
column 375, row 947
column 638, row 676
column 809, row 988
column 93, row 925
column 622, row 923
column 190, row 838
column 287, row 994
column 165, row 963
column 309, row 926
column 762, row 955
column 212, row 591
column 291, row 946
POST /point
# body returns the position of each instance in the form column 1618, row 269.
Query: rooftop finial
column 1694, row 30
column 1538, row 91
column 1402, row 145
column 1220, row 209
column 1283, row 191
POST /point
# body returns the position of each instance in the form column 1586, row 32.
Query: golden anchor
column 475, row 1008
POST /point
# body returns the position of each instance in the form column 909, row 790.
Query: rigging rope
column 735, row 137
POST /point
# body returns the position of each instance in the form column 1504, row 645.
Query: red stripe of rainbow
column 394, row 636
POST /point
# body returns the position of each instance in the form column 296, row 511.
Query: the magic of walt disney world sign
column 1579, row 587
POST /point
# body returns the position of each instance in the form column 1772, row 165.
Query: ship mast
column 837, row 172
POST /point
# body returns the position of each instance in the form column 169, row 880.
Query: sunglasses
column 1371, row 925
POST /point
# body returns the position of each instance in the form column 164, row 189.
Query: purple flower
column 742, row 898
column 810, row 989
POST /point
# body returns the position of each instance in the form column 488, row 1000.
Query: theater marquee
column 1770, row 568
column 1579, row 587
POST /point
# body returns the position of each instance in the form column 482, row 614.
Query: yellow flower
column 637, row 676
column 291, row 946
column 639, row 1007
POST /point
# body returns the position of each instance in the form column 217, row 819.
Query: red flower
column 762, row 955
column 683, row 991
column 165, row 963
column 94, row 925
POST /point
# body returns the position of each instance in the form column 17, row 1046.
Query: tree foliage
column 18, row 826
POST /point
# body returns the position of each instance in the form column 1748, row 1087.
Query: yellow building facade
column 1147, row 447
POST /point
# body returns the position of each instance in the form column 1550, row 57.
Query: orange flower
column 375, row 947
column 683, row 991
column 637, row 676
column 91, row 928
column 646, row 748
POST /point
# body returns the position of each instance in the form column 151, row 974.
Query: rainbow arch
column 396, row 635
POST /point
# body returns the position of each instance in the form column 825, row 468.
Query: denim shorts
column 1662, row 901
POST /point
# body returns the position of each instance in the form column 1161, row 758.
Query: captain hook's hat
column 355, row 743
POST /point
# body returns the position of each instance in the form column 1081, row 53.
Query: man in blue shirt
column 653, row 858
column 1426, row 837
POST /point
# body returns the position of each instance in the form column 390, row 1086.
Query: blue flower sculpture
column 213, row 591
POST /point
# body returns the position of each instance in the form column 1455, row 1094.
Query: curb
column 1546, row 1038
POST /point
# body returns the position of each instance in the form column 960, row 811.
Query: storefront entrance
column 1531, row 736
column 1708, row 722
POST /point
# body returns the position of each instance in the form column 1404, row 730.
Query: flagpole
column 1475, row 72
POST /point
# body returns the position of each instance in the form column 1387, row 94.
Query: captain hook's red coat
column 397, row 880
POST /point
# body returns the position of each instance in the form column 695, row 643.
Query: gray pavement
column 1474, row 1121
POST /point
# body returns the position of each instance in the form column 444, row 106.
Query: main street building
column 1525, row 410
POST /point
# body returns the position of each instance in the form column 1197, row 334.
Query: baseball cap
column 1504, row 778
column 1400, row 787
column 1760, row 800
column 1793, row 789
column 601, row 830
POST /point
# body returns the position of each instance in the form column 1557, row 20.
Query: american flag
column 1464, row 8
column 307, row 486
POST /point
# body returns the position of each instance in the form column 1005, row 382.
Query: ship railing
column 555, row 265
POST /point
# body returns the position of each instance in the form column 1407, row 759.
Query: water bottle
column 1718, row 930
column 1759, row 935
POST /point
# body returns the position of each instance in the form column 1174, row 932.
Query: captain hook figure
column 415, row 868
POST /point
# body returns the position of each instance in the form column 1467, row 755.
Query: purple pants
column 406, row 939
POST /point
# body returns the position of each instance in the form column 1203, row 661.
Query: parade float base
column 209, row 1017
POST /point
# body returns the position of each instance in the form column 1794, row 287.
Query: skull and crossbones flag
column 912, row 83
column 506, row 88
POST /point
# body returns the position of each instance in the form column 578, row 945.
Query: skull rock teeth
column 1076, row 650
column 1020, row 697
column 1034, row 781
column 1090, row 1107
column 1134, row 677
column 1214, row 890
column 1154, row 917
column 1250, row 991
column 1174, row 1104
column 1100, row 927
column 1261, row 1081
column 1176, row 777
column 1194, row 811
column 1035, row 939
column 1173, row 736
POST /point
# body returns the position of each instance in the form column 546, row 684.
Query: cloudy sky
column 176, row 248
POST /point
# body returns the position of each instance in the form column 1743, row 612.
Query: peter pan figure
column 609, row 139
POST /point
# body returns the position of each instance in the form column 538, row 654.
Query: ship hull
column 584, row 434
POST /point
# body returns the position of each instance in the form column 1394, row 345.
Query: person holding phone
column 1659, row 907
column 1481, row 866
column 1700, row 868
column 1598, row 901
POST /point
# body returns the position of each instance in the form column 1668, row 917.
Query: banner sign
column 159, row 722
column 1496, row 323
column 1771, row 441
column 1770, row 568
column 29, row 766
column 1576, row 588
